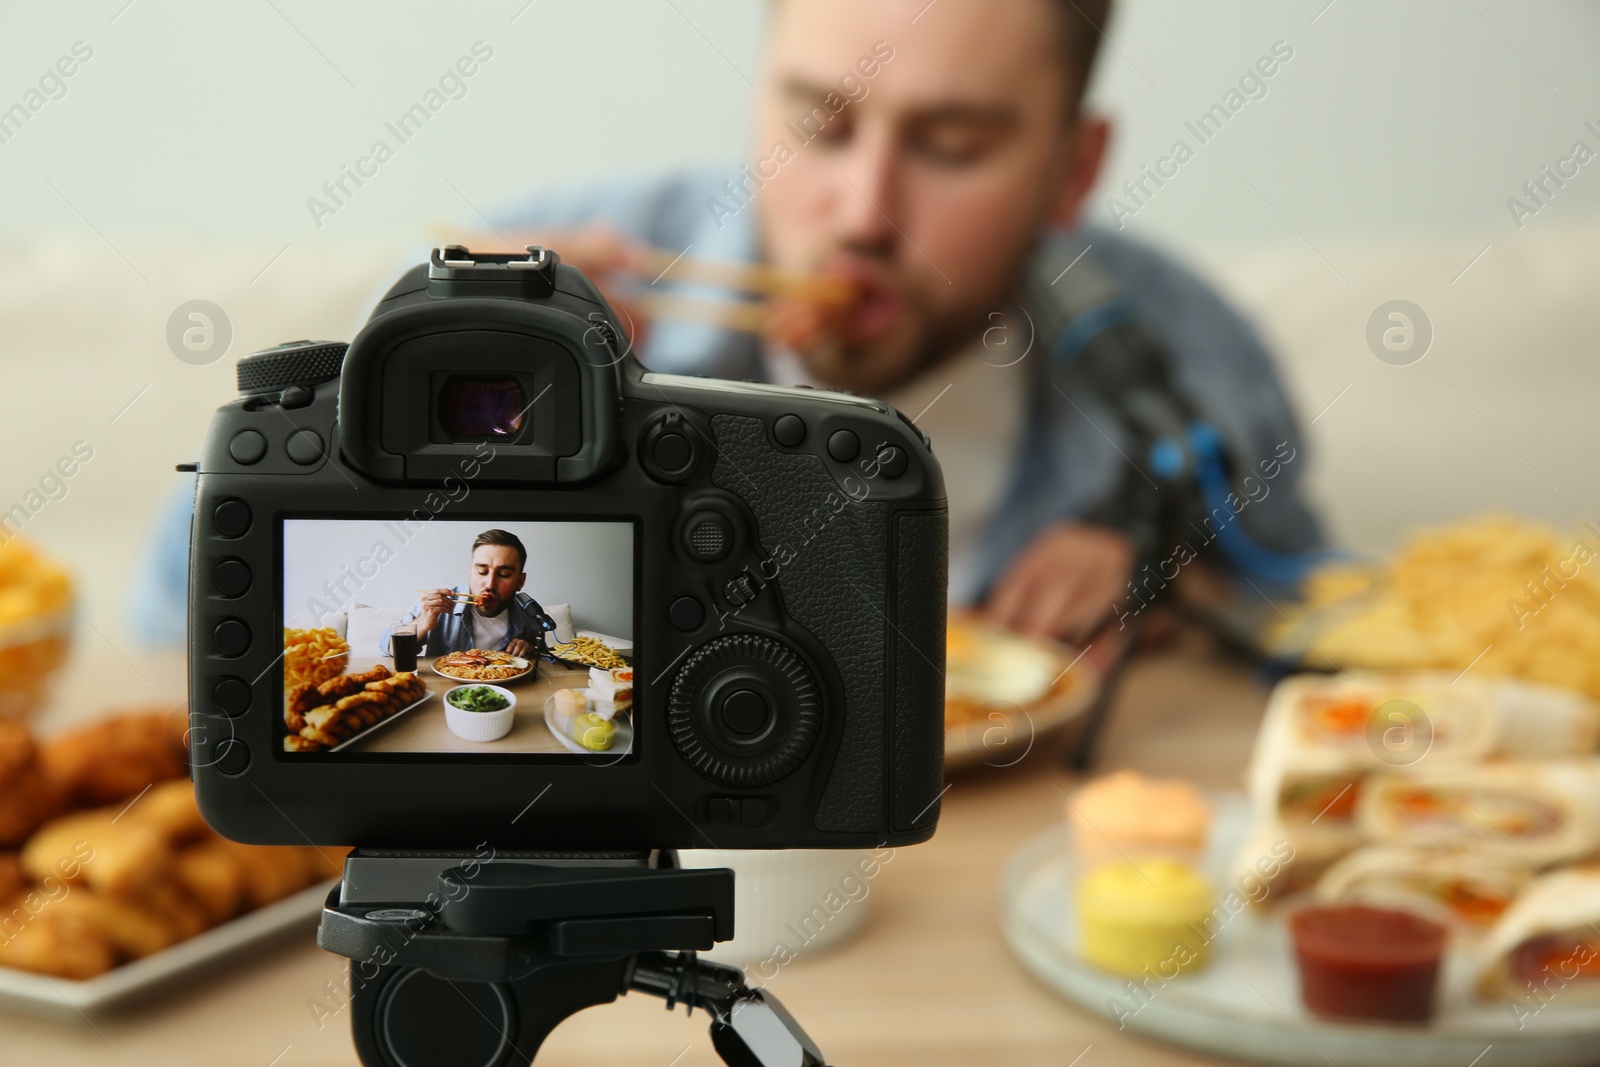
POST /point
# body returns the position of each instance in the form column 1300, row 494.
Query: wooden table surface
column 423, row 729
column 929, row 983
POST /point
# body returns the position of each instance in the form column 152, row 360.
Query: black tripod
column 470, row 960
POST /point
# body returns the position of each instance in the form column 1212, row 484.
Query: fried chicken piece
column 133, row 929
column 271, row 872
column 299, row 743
column 172, row 811
column 346, row 684
column 319, row 737
column 211, row 875
column 11, row 877
column 114, row 759
column 164, row 898
column 28, row 795
column 96, row 848
column 53, row 942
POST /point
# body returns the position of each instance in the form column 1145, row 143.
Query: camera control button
column 247, row 447
column 230, row 756
column 672, row 452
column 747, row 714
column 305, row 447
column 790, row 430
column 231, row 577
column 707, row 536
column 232, row 696
column 231, row 518
column 844, row 445
column 686, row 613
column 893, row 461
column 744, row 710
column 231, row 637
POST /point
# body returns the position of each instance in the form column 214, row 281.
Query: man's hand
column 518, row 647
column 435, row 602
column 1066, row 583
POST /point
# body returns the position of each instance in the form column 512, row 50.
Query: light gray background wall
column 218, row 121
column 586, row 564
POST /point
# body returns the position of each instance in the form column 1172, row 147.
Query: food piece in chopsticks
column 480, row 665
column 1548, row 939
column 578, row 724
column 589, row 651
column 1125, row 815
column 1546, row 812
column 1465, row 887
column 115, row 758
column 313, row 656
column 1358, row 962
column 28, row 795
column 814, row 313
column 1151, row 913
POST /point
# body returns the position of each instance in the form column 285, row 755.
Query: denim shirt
column 1071, row 458
column 453, row 633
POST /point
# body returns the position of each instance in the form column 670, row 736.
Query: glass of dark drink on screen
column 403, row 643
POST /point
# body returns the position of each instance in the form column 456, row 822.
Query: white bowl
column 480, row 725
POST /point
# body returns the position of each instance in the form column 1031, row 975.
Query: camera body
column 772, row 560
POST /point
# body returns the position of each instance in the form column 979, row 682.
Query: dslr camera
column 648, row 610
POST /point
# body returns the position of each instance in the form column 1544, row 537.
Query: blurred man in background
column 935, row 158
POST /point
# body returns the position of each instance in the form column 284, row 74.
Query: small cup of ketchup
column 1358, row 962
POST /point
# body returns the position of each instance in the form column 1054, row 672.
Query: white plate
column 381, row 723
column 1246, row 1004
column 621, row 741
column 526, row 665
column 187, row 961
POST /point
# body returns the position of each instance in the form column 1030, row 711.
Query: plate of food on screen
column 481, row 665
column 586, row 651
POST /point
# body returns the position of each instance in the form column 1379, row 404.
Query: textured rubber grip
column 835, row 585
column 279, row 368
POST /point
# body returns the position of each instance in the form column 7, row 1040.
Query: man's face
column 929, row 188
column 496, row 575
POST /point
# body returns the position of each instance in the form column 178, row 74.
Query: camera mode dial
column 296, row 363
column 744, row 710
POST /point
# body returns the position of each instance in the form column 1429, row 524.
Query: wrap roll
column 1546, row 812
column 1548, row 942
column 1464, row 887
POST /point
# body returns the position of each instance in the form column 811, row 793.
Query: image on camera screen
column 459, row 637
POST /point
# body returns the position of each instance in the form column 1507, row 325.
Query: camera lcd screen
column 459, row 637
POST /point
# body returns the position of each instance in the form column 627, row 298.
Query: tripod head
column 471, row 959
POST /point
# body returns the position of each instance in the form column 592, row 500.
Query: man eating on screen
column 495, row 614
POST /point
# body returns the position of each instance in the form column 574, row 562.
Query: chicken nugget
column 376, row 674
column 55, row 943
column 298, row 743
column 168, row 902
column 28, row 796
column 133, row 929
column 271, row 872
column 11, row 877
column 319, row 737
column 170, row 809
column 97, row 849
column 213, row 876
column 114, row 759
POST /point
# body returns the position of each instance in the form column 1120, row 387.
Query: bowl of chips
column 35, row 626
